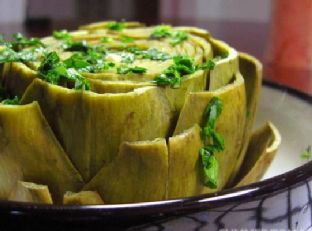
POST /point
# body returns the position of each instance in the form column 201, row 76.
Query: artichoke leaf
column 82, row 198
column 10, row 173
column 31, row 192
column 185, row 169
column 101, row 87
column 251, row 70
column 139, row 173
column 91, row 126
column 225, row 68
column 37, row 152
column 230, row 124
column 260, row 153
column 17, row 77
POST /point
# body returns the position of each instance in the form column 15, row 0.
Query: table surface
column 250, row 37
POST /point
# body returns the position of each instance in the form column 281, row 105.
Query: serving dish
column 283, row 200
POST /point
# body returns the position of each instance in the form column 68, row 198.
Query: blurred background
column 39, row 18
column 271, row 30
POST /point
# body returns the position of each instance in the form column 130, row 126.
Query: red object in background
column 291, row 33
column 289, row 54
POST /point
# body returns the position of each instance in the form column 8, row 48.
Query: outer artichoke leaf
column 82, row 198
column 102, row 87
column 27, row 139
column 185, row 171
column 251, row 70
column 17, row 77
column 230, row 124
column 91, row 126
column 31, row 192
column 260, row 153
column 10, row 173
column 139, row 173
column 192, row 83
column 225, row 68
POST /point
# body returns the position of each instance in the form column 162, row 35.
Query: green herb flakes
column 161, row 31
column 54, row 71
column 183, row 65
column 62, row 35
column 125, row 70
column 213, row 142
column 126, row 39
column 106, row 40
column 306, row 154
column 13, row 101
column 166, row 31
column 117, row 26
column 178, row 37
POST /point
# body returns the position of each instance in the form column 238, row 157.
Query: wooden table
column 249, row 37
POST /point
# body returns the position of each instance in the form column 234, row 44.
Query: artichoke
column 119, row 112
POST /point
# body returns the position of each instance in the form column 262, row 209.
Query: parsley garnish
column 126, row 39
column 118, row 26
column 152, row 54
column 62, row 35
column 165, row 31
column 106, row 40
column 7, row 55
column 13, row 101
column 88, row 62
column 125, row 70
column 161, row 31
column 76, row 46
column 211, row 63
column 178, row 37
column 307, row 153
column 21, row 42
column 54, row 71
column 208, row 65
column 213, row 142
column 127, row 57
column 183, row 65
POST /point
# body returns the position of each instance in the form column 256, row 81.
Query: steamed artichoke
column 128, row 112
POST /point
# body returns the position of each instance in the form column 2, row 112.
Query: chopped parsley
column 7, row 55
column 307, row 153
column 127, row 57
column 162, row 31
column 76, row 46
column 213, row 142
column 20, row 42
column 152, row 54
column 62, row 35
column 126, row 39
column 125, row 70
column 165, row 31
column 183, row 65
column 178, row 37
column 211, row 63
column 54, row 71
column 13, row 101
column 117, row 26
column 208, row 65
column 106, row 40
